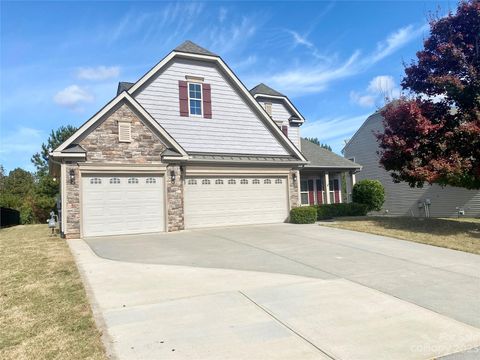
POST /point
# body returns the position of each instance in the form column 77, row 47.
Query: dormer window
column 195, row 98
column 268, row 108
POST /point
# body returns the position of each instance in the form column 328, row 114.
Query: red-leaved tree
column 433, row 135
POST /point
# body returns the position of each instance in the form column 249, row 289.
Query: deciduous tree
column 433, row 135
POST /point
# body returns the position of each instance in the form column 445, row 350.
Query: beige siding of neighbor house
column 234, row 126
column 280, row 113
column 401, row 200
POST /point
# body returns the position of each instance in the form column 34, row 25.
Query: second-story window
column 195, row 98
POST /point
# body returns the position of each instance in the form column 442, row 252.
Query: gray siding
column 401, row 200
column 280, row 113
column 233, row 128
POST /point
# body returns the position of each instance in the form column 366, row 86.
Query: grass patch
column 44, row 310
column 459, row 234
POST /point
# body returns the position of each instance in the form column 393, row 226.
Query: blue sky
column 61, row 61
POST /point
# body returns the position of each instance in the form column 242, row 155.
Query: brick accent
column 102, row 143
column 293, row 189
column 175, row 214
column 102, row 146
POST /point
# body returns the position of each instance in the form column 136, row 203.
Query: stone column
column 294, row 188
column 326, row 180
column 350, row 182
column 72, row 207
column 175, row 214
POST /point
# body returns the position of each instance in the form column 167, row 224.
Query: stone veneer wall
column 175, row 214
column 102, row 146
column 72, row 207
column 293, row 190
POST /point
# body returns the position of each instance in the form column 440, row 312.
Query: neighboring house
column 188, row 146
column 401, row 199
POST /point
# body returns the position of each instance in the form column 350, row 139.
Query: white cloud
column 249, row 61
column 334, row 130
column 98, row 73
column 362, row 100
column 232, row 36
column 395, row 41
column 222, row 14
column 381, row 84
column 300, row 40
column 380, row 88
column 72, row 97
column 315, row 76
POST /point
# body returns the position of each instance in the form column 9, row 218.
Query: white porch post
column 350, row 182
column 340, row 185
column 326, row 180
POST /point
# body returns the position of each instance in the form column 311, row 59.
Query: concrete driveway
column 281, row 292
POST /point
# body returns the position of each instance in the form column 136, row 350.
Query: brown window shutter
column 207, row 101
column 183, row 97
column 285, row 130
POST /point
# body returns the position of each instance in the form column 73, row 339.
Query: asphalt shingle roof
column 192, row 48
column 320, row 157
column 264, row 89
column 122, row 86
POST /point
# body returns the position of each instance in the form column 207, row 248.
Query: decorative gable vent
column 268, row 108
column 124, row 131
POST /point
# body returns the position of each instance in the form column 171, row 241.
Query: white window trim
column 304, row 192
column 201, row 98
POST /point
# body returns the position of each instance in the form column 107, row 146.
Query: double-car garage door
column 115, row 204
column 223, row 201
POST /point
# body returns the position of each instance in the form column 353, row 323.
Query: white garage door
column 235, row 201
column 122, row 204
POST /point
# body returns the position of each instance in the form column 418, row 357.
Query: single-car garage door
column 122, row 204
column 223, row 201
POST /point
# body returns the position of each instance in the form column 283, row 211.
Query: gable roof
column 323, row 158
column 262, row 90
column 192, row 48
column 123, row 86
column 265, row 90
column 189, row 50
column 124, row 96
column 375, row 115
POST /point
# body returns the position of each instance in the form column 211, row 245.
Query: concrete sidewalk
column 153, row 311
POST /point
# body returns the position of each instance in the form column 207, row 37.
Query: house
column 401, row 199
column 188, row 146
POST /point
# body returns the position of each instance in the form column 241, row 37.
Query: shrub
column 303, row 215
column 329, row 211
column 369, row 192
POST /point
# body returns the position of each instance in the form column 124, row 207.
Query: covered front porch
column 328, row 178
column 326, row 187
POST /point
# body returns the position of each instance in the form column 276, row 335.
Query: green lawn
column 459, row 234
column 44, row 310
